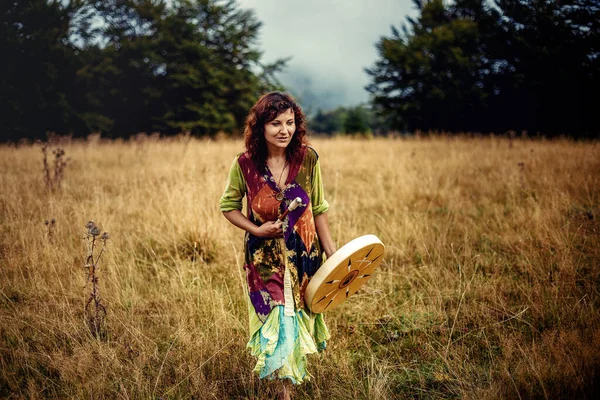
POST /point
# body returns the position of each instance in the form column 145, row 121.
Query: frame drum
column 343, row 273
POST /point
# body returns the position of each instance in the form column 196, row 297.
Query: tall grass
column 489, row 286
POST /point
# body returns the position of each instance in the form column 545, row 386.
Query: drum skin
column 344, row 273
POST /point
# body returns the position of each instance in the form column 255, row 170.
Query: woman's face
column 279, row 132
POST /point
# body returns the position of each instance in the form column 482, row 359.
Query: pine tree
column 38, row 66
column 519, row 64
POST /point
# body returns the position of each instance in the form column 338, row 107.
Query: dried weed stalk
column 54, row 174
column 50, row 225
column 95, row 311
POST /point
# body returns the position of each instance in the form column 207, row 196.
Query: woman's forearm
column 269, row 229
column 238, row 219
column 322, row 226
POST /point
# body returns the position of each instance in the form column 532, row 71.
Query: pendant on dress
column 279, row 196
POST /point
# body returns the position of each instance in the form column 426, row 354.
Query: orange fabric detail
column 306, row 228
column 264, row 205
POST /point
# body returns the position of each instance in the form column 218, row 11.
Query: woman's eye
column 290, row 123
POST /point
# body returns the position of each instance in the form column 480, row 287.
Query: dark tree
column 471, row 66
column 38, row 66
column 356, row 121
column 126, row 66
column 328, row 122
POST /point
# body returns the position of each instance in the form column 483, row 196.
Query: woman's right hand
column 270, row 229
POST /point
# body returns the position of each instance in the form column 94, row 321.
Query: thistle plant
column 95, row 311
column 50, row 225
column 53, row 179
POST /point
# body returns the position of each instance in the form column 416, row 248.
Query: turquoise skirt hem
column 282, row 343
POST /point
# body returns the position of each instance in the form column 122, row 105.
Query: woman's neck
column 276, row 154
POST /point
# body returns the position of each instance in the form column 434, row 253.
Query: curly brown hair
column 265, row 110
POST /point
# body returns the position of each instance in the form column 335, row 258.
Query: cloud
column 314, row 91
column 330, row 41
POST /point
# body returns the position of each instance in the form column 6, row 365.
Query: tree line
column 477, row 65
column 126, row 66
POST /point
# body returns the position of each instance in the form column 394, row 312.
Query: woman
column 280, row 256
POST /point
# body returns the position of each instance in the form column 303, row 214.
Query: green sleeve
column 235, row 189
column 317, row 196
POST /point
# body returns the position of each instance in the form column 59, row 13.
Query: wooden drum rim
column 344, row 273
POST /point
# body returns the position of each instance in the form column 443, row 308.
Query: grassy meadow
column 489, row 287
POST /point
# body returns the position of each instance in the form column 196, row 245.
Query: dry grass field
column 489, row 287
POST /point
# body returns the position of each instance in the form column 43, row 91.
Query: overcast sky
column 330, row 42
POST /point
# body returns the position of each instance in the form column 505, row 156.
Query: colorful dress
column 282, row 330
